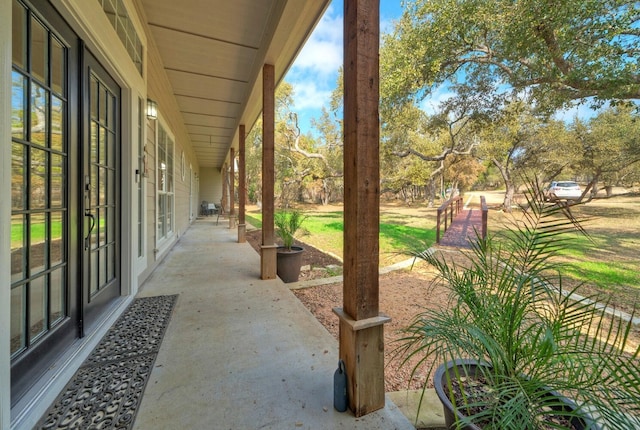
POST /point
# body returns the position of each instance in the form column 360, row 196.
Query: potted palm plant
column 514, row 346
column 289, row 257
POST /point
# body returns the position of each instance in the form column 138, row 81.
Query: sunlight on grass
column 608, row 274
column 324, row 230
column 609, row 260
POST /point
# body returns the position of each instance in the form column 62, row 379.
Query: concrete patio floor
column 240, row 352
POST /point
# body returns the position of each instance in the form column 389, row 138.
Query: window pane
column 95, row 198
column 170, row 166
column 111, row 149
column 110, row 110
column 18, row 338
column 101, row 228
column 18, row 244
column 57, row 181
column 18, row 183
column 103, row 186
column 39, row 51
column 19, row 35
column 161, row 213
column 97, row 213
column 38, row 179
column 138, row 57
column 93, row 284
column 122, row 22
column 102, row 104
column 57, row 299
column 111, row 237
column 57, row 119
column 37, row 306
column 103, row 268
column 111, row 198
column 93, row 156
column 94, row 98
column 39, row 108
column 112, row 263
column 57, row 238
column 18, row 105
column 57, row 66
column 169, row 212
column 110, row 11
column 102, row 146
column 38, row 237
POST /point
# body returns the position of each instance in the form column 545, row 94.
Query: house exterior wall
column 91, row 24
column 210, row 185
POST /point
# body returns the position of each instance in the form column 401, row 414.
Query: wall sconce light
column 152, row 109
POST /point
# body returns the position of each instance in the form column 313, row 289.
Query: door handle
column 91, row 226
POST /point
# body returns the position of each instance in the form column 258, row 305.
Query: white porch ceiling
column 213, row 52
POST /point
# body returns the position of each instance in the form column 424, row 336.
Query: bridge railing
column 447, row 211
column 485, row 216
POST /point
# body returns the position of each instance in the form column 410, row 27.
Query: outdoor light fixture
column 152, row 109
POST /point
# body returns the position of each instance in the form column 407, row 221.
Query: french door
column 65, row 139
column 100, row 190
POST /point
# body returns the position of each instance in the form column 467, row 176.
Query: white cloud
column 323, row 51
column 308, row 95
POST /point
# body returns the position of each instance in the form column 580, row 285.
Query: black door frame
column 91, row 307
column 31, row 364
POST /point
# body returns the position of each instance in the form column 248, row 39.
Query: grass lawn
column 607, row 262
column 400, row 230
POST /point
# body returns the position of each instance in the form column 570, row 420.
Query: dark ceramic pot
column 289, row 263
column 473, row 368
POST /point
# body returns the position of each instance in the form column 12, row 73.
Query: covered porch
column 240, row 352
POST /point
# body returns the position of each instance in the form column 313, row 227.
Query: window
column 119, row 19
column 39, row 201
column 165, row 184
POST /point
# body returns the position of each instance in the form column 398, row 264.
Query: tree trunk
column 508, row 196
column 431, row 193
column 509, row 185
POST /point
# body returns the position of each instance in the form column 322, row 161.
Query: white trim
column 128, row 282
column 140, row 200
column 163, row 244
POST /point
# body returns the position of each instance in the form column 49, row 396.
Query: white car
column 563, row 190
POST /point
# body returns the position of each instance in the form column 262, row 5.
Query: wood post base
column 242, row 233
column 268, row 261
column 362, row 349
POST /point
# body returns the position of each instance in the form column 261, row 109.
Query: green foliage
column 556, row 51
column 509, row 309
column 287, row 224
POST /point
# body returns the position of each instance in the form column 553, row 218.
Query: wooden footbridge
column 457, row 227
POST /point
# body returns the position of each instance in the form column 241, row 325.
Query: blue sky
column 315, row 71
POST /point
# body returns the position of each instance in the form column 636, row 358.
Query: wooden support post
column 242, row 195
column 268, row 249
column 223, row 199
column 232, row 191
column 361, row 324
